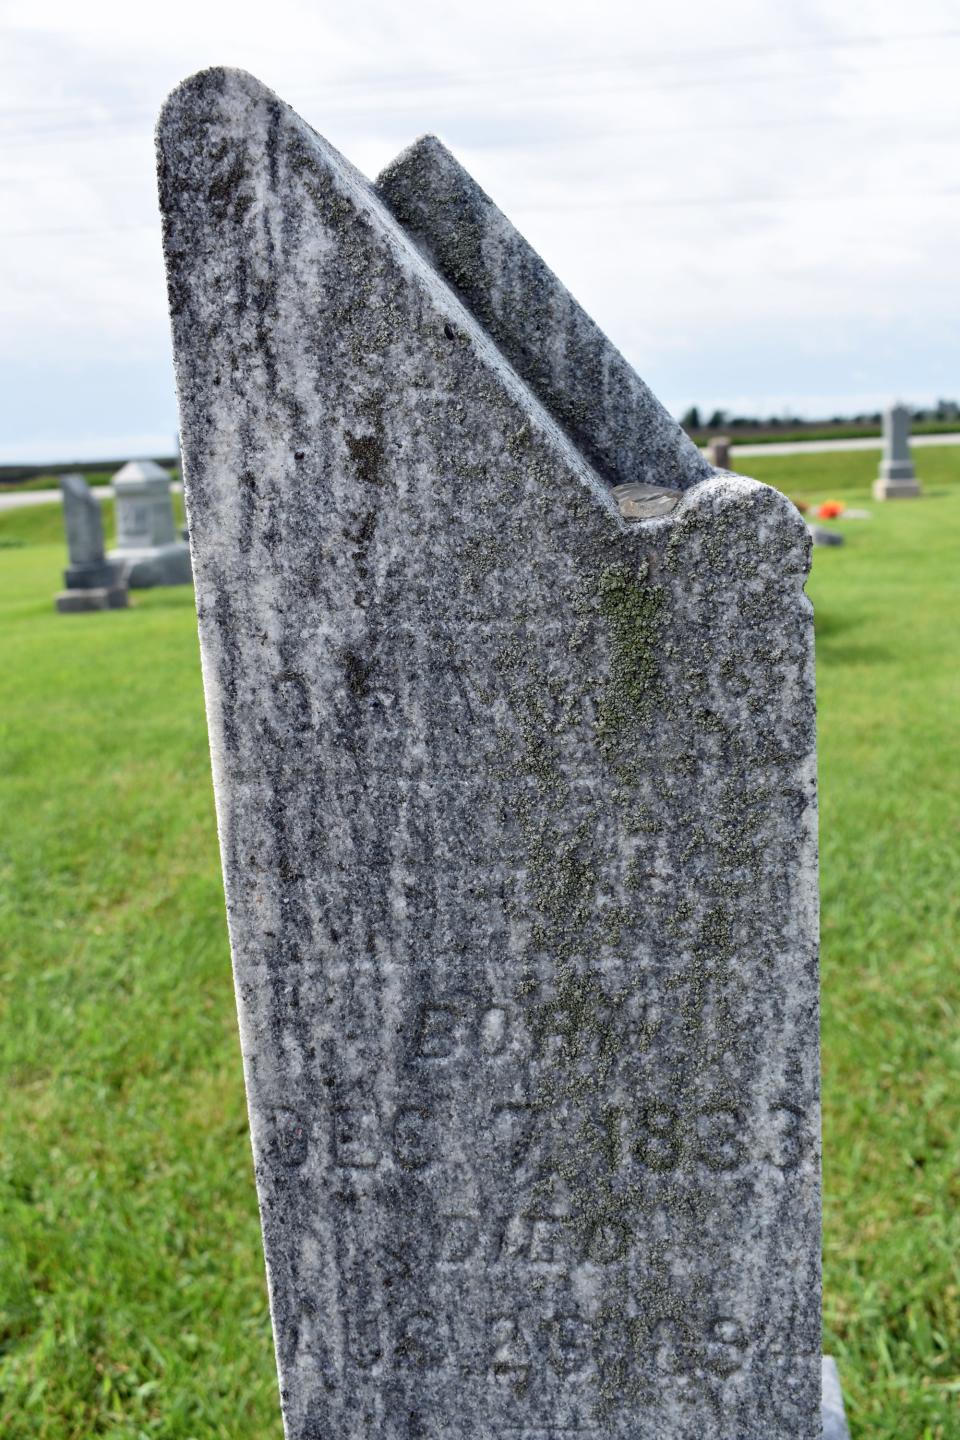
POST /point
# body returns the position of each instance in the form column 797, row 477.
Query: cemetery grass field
column 51, row 482
column 132, row 1299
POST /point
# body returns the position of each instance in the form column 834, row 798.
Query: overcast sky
column 759, row 202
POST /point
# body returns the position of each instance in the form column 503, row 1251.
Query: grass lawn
column 132, row 1299
column 52, row 482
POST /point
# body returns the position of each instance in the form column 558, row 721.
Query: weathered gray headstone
column 897, row 479
column 93, row 583
column 618, row 424
column 147, row 542
column 515, row 781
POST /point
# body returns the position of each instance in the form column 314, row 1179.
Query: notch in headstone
column 581, row 378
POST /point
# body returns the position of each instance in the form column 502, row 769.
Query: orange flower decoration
column 830, row 509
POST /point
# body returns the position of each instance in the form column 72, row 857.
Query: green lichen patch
column 631, row 607
column 582, row 1015
column 562, row 879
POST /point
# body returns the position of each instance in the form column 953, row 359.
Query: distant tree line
column 945, row 411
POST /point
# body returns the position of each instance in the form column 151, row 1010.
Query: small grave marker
column 147, row 543
column 93, row 583
column 718, row 452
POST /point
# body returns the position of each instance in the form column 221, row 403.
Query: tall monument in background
column 897, row 479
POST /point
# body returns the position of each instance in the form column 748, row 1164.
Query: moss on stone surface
column 631, row 607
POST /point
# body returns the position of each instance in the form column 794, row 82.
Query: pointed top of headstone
column 220, row 102
column 140, row 470
column 76, row 486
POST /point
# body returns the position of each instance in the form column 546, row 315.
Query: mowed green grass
column 51, row 482
column 132, row 1299
column 887, row 611
column 131, row 1287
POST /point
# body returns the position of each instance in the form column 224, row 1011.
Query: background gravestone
column 820, row 535
column 718, row 451
column 147, row 542
column 897, row 479
column 93, row 583
column 516, row 799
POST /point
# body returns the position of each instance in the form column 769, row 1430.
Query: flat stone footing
column 834, row 1417
column 105, row 597
column 159, row 565
column 820, row 536
column 896, row 489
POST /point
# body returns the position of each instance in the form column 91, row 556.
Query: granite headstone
column 897, row 479
column 92, row 582
column 147, row 542
column 515, row 779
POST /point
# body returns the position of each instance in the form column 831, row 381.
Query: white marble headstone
column 516, row 797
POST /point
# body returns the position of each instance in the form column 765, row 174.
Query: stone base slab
column 820, row 536
column 102, row 597
column 159, row 565
column 834, row 1416
column 96, row 576
column 897, row 470
column 896, row 489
